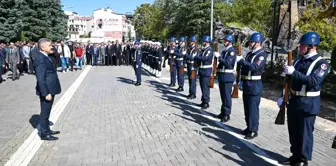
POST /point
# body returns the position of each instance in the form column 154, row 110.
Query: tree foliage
column 192, row 17
column 311, row 20
column 31, row 20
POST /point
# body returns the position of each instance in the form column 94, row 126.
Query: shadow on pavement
column 34, row 121
column 230, row 143
column 125, row 80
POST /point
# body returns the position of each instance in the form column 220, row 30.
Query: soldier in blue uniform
column 251, row 71
column 138, row 62
column 225, row 71
column 192, row 68
column 308, row 73
column 205, row 69
column 180, row 63
column 172, row 52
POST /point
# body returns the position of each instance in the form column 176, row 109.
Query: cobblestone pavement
column 109, row 121
column 19, row 110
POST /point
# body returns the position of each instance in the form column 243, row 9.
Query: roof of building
column 84, row 18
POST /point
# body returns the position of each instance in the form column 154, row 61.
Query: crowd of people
column 17, row 58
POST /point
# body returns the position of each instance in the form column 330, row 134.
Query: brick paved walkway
column 19, row 109
column 109, row 121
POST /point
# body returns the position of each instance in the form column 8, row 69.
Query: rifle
column 334, row 144
column 165, row 57
column 235, row 91
column 214, row 69
column 280, row 119
column 182, row 67
column 193, row 72
column 171, row 57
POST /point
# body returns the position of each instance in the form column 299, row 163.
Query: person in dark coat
column 48, row 85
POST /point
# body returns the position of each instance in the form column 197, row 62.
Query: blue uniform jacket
column 46, row 76
column 138, row 56
column 180, row 56
column 255, row 68
column 313, row 83
column 190, row 59
column 205, row 59
column 176, row 53
column 227, row 61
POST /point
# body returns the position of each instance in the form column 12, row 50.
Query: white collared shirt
column 309, row 55
column 255, row 50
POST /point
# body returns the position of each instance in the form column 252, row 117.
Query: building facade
column 103, row 25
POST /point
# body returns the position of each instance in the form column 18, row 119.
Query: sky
column 86, row 7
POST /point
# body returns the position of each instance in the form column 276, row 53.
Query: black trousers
column 88, row 59
column 45, row 114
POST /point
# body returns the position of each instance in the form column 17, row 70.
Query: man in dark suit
column 2, row 61
column 118, row 60
column 47, row 87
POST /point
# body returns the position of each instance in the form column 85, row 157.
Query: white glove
column 289, row 70
column 171, row 51
column 165, row 49
column 239, row 58
column 240, row 85
column 280, row 101
column 217, row 54
column 184, row 52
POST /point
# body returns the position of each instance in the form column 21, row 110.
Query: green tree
column 256, row 14
column 10, row 20
column 324, row 26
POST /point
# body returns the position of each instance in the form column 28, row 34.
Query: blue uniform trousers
column 44, row 115
column 251, row 110
column 138, row 72
column 300, row 129
column 192, row 83
column 180, row 76
column 225, row 89
column 204, row 83
column 1, row 67
column 173, row 75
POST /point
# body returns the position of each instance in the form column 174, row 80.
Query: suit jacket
column 2, row 56
column 13, row 55
column 110, row 50
column 46, row 76
column 102, row 50
column 118, row 49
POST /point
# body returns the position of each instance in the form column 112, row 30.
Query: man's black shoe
column 192, row 97
column 245, row 132
column 51, row 132
column 49, row 138
column 180, row 89
column 205, row 106
column 290, row 161
column 171, row 85
column 226, row 118
column 251, row 135
column 200, row 105
column 138, row 84
column 302, row 163
column 220, row 116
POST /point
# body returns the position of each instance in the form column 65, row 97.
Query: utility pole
column 211, row 20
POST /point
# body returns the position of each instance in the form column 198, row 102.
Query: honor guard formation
column 307, row 74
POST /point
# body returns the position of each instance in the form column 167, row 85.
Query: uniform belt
column 156, row 57
column 306, row 94
column 179, row 59
column 225, row 71
column 205, row 66
column 251, row 77
column 190, row 61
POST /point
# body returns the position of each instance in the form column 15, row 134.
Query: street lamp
column 211, row 20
